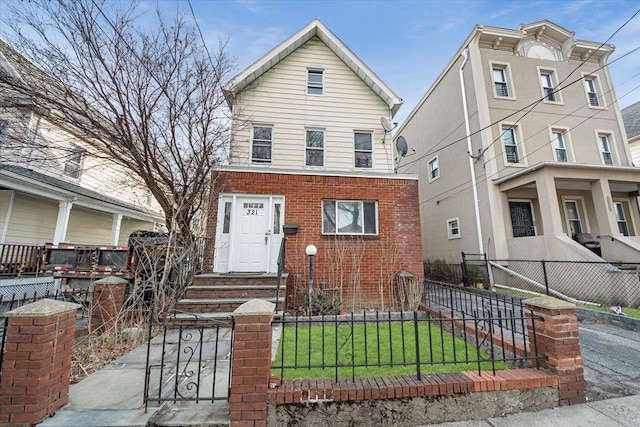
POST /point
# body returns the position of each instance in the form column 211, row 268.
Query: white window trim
column 324, row 146
column 567, row 143
column 612, row 146
column 506, row 67
column 373, row 159
column 337, row 233
column 429, row 168
column 322, row 84
column 522, row 154
column 71, row 150
column 631, row 223
column 451, row 236
column 582, row 210
column 261, row 163
column 554, row 80
column 600, row 92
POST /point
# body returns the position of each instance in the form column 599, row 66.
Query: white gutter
column 465, row 55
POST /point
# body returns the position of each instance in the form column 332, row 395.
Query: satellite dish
column 386, row 125
column 401, row 146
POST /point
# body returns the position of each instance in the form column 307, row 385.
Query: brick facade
column 557, row 337
column 36, row 369
column 364, row 265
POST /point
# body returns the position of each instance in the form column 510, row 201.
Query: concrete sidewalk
column 622, row 411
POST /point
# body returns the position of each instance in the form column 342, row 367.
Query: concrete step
column 237, row 279
column 233, row 291
column 209, row 414
column 211, row 305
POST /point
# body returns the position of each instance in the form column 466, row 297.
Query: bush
column 440, row 270
column 473, row 274
column 321, row 302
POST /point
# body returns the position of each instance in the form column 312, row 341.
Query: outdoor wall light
column 310, row 250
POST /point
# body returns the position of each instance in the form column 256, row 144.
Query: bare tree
column 143, row 91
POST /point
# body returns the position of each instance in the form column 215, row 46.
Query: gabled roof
column 314, row 29
column 631, row 119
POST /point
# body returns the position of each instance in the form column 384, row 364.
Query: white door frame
column 226, row 244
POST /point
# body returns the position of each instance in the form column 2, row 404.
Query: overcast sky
column 408, row 43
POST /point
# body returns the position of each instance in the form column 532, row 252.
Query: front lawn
column 374, row 349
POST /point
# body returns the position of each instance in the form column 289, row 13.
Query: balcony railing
column 20, row 260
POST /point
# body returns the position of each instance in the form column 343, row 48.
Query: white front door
column 249, row 233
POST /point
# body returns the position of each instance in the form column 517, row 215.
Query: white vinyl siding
column 88, row 226
column 28, row 225
column 279, row 97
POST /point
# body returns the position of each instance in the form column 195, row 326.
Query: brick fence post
column 251, row 364
column 36, row 369
column 108, row 299
column 557, row 338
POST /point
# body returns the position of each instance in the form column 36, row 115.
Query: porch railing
column 281, row 263
column 20, row 260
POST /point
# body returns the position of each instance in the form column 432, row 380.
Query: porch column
column 64, row 210
column 115, row 229
column 603, row 205
column 549, row 206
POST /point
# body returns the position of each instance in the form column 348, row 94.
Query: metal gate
column 188, row 360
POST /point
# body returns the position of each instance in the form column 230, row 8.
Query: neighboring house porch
column 37, row 208
column 545, row 206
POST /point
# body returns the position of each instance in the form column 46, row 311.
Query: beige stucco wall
column 279, row 98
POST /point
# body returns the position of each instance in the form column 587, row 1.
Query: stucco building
column 520, row 148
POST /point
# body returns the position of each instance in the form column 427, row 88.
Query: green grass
column 628, row 311
column 437, row 349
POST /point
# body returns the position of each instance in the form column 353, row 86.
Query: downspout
column 474, row 186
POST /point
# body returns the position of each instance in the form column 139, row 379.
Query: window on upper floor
column 453, row 228
column 434, row 169
column 500, row 81
column 548, row 82
column 511, row 146
column 605, row 149
column 349, row 217
column 73, row 165
column 315, row 82
column 363, row 149
column 261, row 144
column 314, row 152
column 558, row 139
column 591, row 88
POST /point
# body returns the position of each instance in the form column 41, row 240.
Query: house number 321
column 252, row 212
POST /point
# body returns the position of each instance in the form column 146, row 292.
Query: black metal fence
column 188, row 360
column 503, row 309
column 82, row 297
column 411, row 343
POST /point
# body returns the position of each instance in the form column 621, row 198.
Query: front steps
column 217, row 295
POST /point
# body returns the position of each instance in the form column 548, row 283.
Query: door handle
column 266, row 237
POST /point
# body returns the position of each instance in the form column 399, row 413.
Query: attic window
column 73, row 165
column 315, row 82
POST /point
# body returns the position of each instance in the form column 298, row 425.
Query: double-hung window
column 314, row 153
column 350, row 217
column 261, row 144
column 500, row 81
column 363, row 149
column 573, row 216
column 592, row 92
column 453, row 228
column 434, row 169
column 621, row 218
column 73, row 165
column 546, row 80
column 559, row 145
column 315, row 82
column 605, row 149
column 510, row 142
